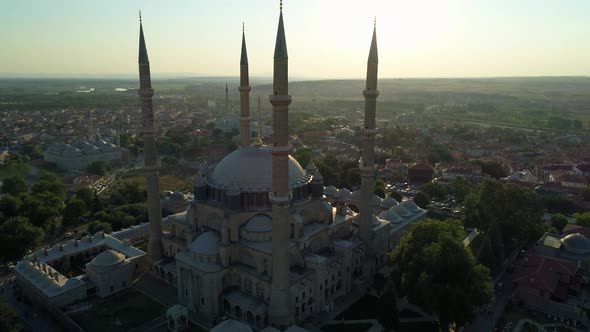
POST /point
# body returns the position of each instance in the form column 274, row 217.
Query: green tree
column 582, row 219
column 434, row 190
column 505, row 213
column 460, row 188
column 98, row 167
column 51, row 183
column 493, row 169
column 586, row 194
column 353, row 177
column 387, row 309
column 97, row 226
column 558, row 221
column 10, row 205
column 33, row 151
column 439, row 274
column 75, row 209
column 17, row 236
column 9, row 321
column 379, row 191
column 422, row 200
column 14, row 185
column 303, row 156
column 86, row 195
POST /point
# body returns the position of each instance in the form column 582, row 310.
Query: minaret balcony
column 280, row 100
column 244, row 89
column 371, row 93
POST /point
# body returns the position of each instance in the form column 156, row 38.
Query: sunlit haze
column 326, row 39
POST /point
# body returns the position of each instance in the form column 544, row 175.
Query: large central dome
column 250, row 168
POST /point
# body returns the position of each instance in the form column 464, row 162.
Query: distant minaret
column 367, row 164
column 226, row 99
column 244, row 95
column 118, row 136
column 280, row 196
column 148, row 131
column 91, row 134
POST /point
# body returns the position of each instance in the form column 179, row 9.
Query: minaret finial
column 242, row 27
column 140, row 16
column 281, row 5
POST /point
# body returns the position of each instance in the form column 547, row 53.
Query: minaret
column 368, row 133
column 244, row 95
column 226, row 99
column 148, row 131
column 280, row 196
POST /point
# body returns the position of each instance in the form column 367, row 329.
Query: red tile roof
column 540, row 274
column 571, row 229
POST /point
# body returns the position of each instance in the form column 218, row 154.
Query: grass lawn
column 129, row 307
column 364, row 308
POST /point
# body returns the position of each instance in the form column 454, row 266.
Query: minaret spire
column 148, row 131
column 280, row 196
column 244, row 89
column 367, row 164
column 226, row 99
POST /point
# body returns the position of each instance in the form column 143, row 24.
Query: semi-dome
column 107, row 258
column 206, row 244
column 410, row 206
column 401, row 211
column 576, row 243
column 331, row 191
column 389, row 202
column 355, row 196
column 259, row 223
column 376, row 200
column 251, row 169
column 345, row 193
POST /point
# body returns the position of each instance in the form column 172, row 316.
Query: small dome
column 576, row 243
column 401, row 211
column 376, row 200
column 206, row 244
column 410, row 206
column 199, row 180
column 107, row 258
column 344, row 192
column 355, row 196
column 231, row 325
column 331, row 191
column 311, row 167
column 259, row 223
column 390, row 216
column 177, row 196
column 389, row 202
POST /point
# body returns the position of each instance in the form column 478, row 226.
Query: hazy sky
column 325, row 38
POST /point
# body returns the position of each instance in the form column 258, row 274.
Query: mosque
column 263, row 240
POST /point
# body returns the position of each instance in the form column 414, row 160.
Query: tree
column 558, row 221
column 493, row 169
column 86, row 195
column 14, row 185
column 434, row 190
column 422, row 200
column 169, row 160
column 506, row 213
column 33, row 151
column 303, row 156
column 9, row 321
column 460, row 188
column 98, row 168
column 439, row 274
column 398, row 197
column 10, row 205
column 586, row 194
column 17, row 237
column 97, row 226
column 75, row 209
column 353, row 177
column 582, row 219
column 51, row 183
column 387, row 309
